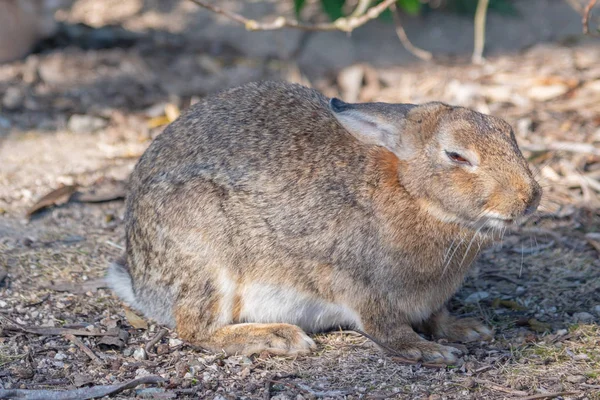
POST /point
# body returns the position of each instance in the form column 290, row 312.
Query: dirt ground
column 76, row 114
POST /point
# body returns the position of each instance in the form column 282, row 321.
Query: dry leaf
column 134, row 320
column 511, row 304
column 105, row 190
column 172, row 112
column 158, row 121
column 538, row 326
column 55, row 198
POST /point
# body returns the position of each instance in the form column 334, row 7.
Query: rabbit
column 268, row 212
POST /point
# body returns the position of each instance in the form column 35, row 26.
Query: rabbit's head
column 459, row 165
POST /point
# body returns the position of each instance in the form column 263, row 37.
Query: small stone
column 140, row 354
column 561, row 332
column 3, row 304
column 476, row 297
column 597, row 309
column 60, row 356
column 188, row 375
column 142, row 372
column 246, row 361
column 127, row 352
column 175, row 342
column 583, row 317
column 547, row 92
column 13, row 98
column 85, row 123
column 580, row 357
column 162, row 349
column 4, row 124
column 576, row 378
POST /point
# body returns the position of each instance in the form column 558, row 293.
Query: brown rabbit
column 269, row 210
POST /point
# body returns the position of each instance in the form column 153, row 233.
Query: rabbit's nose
column 534, row 201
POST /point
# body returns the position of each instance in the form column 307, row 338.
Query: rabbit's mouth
column 499, row 222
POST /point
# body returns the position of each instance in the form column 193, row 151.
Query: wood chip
column 79, row 288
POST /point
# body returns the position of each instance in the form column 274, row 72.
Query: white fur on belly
column 270, row 303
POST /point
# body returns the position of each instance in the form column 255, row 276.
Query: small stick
column 547, row 395
column 48, row 331
column 499, row 388
column 93, row 392
column 150, row 345
column 83, row 348
column 37, row 303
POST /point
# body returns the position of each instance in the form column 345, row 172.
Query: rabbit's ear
column 379, row 124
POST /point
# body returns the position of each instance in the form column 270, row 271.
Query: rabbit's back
column 257, row 134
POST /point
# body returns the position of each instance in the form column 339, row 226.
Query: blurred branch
column 586, row 16
column 575, row 5
column 417, row 52
column 340, row 24
column 479, row 43
column 361, row 8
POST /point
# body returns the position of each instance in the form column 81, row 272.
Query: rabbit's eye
column 457, row 158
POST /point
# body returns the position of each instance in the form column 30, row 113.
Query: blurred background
column 86, row 85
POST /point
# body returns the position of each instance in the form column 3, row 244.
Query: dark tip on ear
column 337, row 105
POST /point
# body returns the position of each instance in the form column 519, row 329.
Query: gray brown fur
column 268, row 187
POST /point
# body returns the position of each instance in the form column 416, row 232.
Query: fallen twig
column 547, row 395
column 77, row 394
column 499, row 388
column 83, row 348
column 588, row 386
column 307, row 389
column 37, row 303
column 340, row 24
column 586, row 16
column 150, row 345
column 49, row 331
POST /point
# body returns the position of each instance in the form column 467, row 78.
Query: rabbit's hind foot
column 255, row 338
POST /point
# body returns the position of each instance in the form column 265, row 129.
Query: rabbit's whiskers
column 448, row 260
